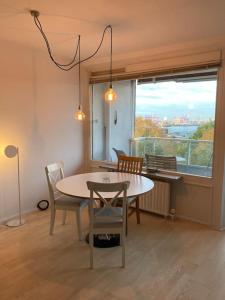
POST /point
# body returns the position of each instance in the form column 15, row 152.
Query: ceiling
column 137, row 24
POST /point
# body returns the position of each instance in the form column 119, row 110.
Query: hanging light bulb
column 110, row 94
column 79, row 115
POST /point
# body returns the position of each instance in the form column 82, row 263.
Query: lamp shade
column 11, row 151
column 79, row 115
column 110, row 95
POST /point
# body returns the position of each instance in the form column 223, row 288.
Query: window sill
column 186, row 178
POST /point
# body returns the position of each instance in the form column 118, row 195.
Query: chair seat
column 72, row 202
column 107, row 217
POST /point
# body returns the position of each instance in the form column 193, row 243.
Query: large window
column 167, row 115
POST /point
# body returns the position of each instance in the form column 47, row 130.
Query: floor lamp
column 10, row 152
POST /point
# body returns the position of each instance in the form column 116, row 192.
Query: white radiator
column 158, row 199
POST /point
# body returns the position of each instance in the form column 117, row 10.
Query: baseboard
column 218, row 228
column 192, row 220
column 181, row 217
column 4, row 220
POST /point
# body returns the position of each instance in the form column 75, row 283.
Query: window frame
column 187, row 178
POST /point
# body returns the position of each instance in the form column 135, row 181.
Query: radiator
column 158, row 199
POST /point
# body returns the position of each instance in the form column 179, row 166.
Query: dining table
column 76, row 186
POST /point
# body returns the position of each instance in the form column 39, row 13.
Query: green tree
column 147, row 128
column 204, row 131
column 201, row 152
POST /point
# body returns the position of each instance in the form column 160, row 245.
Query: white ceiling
column 137, row 24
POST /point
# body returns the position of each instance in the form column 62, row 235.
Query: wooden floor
column 164, row 260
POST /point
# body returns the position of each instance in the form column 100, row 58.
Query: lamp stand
column 17, row 221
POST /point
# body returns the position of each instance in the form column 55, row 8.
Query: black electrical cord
column 39, row 26
column 72, row 64
column 79, row 107
column 111, row 58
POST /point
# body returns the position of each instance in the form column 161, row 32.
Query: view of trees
column 198, row 153
column 176, row 118
column 201, row 153
column 147, row 128
column 204, row 131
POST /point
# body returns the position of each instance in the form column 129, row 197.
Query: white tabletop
column 77, row 185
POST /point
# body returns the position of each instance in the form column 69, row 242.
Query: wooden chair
column 107, row 218
column 131, row 164
column 54, row 172
column 161, row 162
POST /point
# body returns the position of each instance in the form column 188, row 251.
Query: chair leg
column 64, row 217
column 127, row 219
column 138, row 211
column 123, row 249
column 52, row 221
column 121, row 242
column 79, row 224
column 91, row 244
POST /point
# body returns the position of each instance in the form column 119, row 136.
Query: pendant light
column 110, row 94
column 79, row 115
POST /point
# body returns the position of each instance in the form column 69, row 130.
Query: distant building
column 181, row 120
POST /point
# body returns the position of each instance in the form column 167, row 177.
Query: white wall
column 37, row 102
column 193, row 202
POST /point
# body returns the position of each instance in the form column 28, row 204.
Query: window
column 168, row 115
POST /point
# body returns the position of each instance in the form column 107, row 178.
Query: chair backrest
column 130, row 164
column 54, row 173
column 119, row 152
column 108, row 212
column 161, row 162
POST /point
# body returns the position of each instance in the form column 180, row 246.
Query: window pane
column 176, row 118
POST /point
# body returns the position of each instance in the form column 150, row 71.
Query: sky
column 172, row 99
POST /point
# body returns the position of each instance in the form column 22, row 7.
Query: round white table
column 76, row 185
